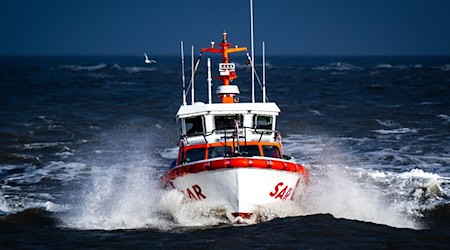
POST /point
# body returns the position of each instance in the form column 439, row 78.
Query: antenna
column 264, row 70
column 253, row 53
column 192, row 76
column 183, row 78
column 209, row 81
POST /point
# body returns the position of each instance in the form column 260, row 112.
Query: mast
column 253, row 51
column 192, row 76
column 183, row 78
column 226, row 92
column 209, row 81
column 264, row 71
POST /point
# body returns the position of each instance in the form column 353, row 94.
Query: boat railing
column 231, row 134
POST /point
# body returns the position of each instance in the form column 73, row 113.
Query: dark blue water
column 83, row 141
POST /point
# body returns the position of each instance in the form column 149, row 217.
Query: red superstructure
column 228, row 72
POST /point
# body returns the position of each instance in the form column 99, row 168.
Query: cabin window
column 194, row 125
column 214, row 152
column 263, row 122
column 252, row 150
column 227, row 121
column 195, row 154
column 271, row 151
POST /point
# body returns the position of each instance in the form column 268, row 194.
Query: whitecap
column 401, row 67
column 4, row 207
column 40, row 145
column 383, row 66
column 116, row 66
column 84, row 68
column 339, row 66
column 445, row 67
column 419, row 173
column 64, row 154
column 316, row 112
column 395, row 131
column 54, row 170
column 377, row 174
column 170, row 153
column 132, row 70
column 444, row 117
column 387, row 123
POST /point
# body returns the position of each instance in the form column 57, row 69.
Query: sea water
column 84, row 141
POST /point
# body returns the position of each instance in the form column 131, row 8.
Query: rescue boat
column 230, row 152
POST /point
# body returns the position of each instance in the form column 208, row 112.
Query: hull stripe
column 235, row 162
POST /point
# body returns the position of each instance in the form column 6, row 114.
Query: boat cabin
column 218, row 130
column 208, row 123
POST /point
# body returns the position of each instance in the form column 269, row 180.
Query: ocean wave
column 18, row 158
column 383, row 66
column 54, row 170
column 41, row 145
column 445, row 67
column 429, row 103
column 418, row 173
column 387, row 123
column 338, row 66
column 397, row 67
column 395, row 131
column 169, row 153
column 84, row 68
column 316, row 112
column 444, row 117
column 132, row 70
column 31, row 216
column 104, row 66
column 116, row 66
column 4, row 207
column 414, row 191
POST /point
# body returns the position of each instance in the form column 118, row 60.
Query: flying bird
column 148, row 61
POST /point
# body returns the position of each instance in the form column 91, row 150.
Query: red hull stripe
column 236, row 162
column 242, row 215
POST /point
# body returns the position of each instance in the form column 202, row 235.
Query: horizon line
column 256, row 55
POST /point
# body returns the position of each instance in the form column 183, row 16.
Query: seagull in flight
column 148, row 61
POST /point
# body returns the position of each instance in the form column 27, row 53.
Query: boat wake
column 353, row 185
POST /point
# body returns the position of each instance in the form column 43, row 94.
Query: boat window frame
column 278, row 151
column 270, row 123
column 202, row 124
column 241, row 147
column 240, row 116
column 185, row 154
column 227, row 151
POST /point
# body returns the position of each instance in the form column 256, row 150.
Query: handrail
column 242, row 129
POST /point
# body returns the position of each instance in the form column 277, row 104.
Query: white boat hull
column 242, row 190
